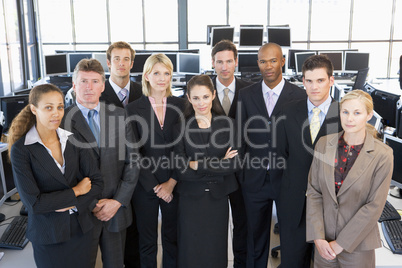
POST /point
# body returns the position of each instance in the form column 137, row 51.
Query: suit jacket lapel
column 149, row 115
column 80, row 125
column 68, row 152
column 329, row 162
column 46, row 160
column 110, row 94
column 363, row 160
column 331, row 122
column 258, row 99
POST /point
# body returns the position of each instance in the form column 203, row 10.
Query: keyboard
column 389, row 213
column 392, row 231
column 14, row 236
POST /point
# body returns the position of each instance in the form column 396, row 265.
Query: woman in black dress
column 206, row 166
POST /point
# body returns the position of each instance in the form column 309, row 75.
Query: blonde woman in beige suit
column 347, row 189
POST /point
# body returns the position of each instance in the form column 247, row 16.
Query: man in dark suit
column 305, row 122
column 260, row 109
column 120, row 59
column 224, row 61
column 119, row 89
column 102, row 129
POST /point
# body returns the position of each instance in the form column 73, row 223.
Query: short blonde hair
column 149, row 65
column 367, row 101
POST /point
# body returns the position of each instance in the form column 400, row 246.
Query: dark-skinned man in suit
column 260, row 109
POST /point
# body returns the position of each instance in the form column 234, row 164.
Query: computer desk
column 12, row 257
column 383, row 256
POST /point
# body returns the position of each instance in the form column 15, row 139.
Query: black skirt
column 203, row 231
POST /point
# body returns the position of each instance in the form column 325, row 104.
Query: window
column 90, row 21
column 330, row 20
column 161, row 21
column 126, row 20
column 197, row 22
column 292, row 12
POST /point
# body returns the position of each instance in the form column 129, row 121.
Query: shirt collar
column 277, row 90
column 32, row 136
column 324, row 107
column 220, row 87
column 85, row 110
column 116, row 88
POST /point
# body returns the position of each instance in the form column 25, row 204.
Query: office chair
column 360, row 79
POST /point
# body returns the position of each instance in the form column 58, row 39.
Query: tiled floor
column 272, row 262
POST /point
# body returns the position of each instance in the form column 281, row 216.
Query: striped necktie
column 315, row 124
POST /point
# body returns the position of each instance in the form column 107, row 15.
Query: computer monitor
column 337, row 92
column 355, row 61
column 251, row 36
column 102, row 58
column 7, row 186
column 11, row 106
column 247, row 62
column 300, row 58
column 139, row 62
column 209, row 31
column 376, row 121
column 74, row 58
column 360, row 79
column 386, row 105
column 221, row 33
column 336, row 58
column 396, row 145
column 279, row 35
column 56, row 64
column 291, row 57
column 173, row 58
column 189, row 63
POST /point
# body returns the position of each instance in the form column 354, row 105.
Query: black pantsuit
column 156, row 145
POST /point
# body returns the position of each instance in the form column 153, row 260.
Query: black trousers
column 295, row 251
column 239, row 243
column 146, row 206
column 259, row 215
column 132, row 249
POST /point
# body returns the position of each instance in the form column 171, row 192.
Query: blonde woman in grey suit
column 347, row 189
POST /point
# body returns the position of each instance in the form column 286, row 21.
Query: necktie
column 270, row 102
column 92, row 125
column 123, row 96
column 226, row 101
column 315, row 124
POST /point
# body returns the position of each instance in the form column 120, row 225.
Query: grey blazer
column 113, row 157
column 351, row 216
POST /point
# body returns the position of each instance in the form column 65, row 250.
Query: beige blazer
column 350, row 217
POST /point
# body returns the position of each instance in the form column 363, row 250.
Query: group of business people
column 251, row 144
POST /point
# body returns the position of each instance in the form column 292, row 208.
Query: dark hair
column 222, row 46
column 318, row 61
column 88, row 65
column 121, row 45
column 25, row 120
column 201, row 80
